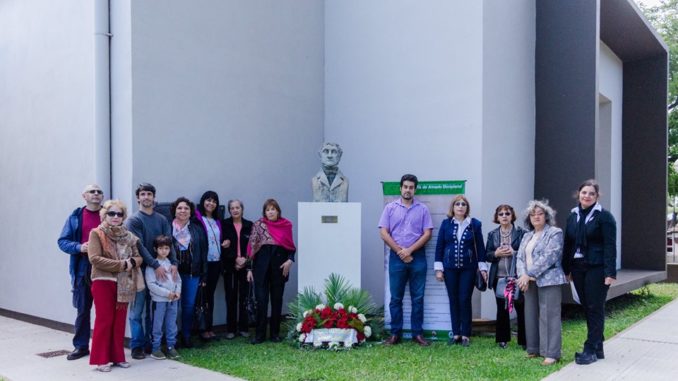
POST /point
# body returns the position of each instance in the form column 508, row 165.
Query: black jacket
column 198, row 250
column 228, row 255
column 493, row 243
column 601, row 237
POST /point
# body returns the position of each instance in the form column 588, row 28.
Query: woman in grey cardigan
column 540, row 276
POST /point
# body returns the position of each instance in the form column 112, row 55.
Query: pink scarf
column 264, row 231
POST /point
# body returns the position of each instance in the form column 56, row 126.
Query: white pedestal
column 329, row 242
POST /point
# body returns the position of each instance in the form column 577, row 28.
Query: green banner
column 392, row 188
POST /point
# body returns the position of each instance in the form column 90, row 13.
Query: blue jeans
column 141, row 334
column 189, row 291
column 459, row 284
column 399, row 273
column 165, row 320
column 82, row 301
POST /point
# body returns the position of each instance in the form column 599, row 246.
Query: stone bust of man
column 329, row 184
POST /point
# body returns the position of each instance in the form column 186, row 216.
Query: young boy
column 165, row 295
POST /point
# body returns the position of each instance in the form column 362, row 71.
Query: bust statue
column 329, row 184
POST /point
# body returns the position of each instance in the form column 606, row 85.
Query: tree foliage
column 664, row 18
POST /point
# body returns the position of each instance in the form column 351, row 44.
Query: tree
column 664, row 18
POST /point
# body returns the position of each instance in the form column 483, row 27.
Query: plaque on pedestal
column 329, row 242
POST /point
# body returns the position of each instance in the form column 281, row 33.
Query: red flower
column 361, row 336
column 325, row 313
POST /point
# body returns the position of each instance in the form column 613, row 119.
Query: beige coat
column 107, row 265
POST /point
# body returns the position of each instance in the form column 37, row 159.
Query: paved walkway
column 21, row 342
column 646, row 351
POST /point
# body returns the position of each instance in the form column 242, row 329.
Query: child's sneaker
column 158, row 355
column 172, row 353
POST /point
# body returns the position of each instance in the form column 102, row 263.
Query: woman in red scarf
column 271, row 250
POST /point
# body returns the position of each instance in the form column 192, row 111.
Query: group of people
column 147, row 267
column 536, row 260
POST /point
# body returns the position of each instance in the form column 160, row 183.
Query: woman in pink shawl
column 271, row 251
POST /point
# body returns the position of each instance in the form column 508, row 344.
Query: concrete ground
column 21, row 342
column 646, row 351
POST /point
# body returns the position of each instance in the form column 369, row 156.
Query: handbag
column 200, row 310
column 480, row 282
column 251, row 304
column 503, row 282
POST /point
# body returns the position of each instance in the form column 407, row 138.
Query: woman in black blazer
column 502, row 246
column 590, row 260
column 237, row 232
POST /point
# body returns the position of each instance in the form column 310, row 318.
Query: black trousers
column 213, row 273
column 589, row 282
column 269, row 283
column 235, row 289
column 503, row 325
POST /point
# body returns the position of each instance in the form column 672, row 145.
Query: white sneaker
column 103, row 368
column 123, row 364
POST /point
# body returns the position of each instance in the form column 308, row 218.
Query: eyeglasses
column 504, row 214
column 95, row 191
column 460, row 203
column 115, row 214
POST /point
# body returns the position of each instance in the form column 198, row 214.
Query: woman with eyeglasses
column 502, row 246
column 460, row 252
column 116, row 279
column 271, row 248
column 540, row 277
column 590, row 260
column 190, row 242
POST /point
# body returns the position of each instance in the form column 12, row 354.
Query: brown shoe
column 419, row 339
column 532, row 355
column 393, row 340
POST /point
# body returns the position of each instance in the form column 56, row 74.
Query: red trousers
column 109, row 324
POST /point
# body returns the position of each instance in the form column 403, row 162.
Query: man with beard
column 147, row 225
column 73, row 241
column 406, row 226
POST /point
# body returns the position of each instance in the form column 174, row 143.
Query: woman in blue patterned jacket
column 460, row 251
column 540, row 275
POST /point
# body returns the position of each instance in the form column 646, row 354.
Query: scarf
column 181, row 234
column 264, row 231
column 118, row 240
column 509, row 292
column 580, row 232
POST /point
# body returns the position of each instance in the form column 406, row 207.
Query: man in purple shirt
column 406, row 226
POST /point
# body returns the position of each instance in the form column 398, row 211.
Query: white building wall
column 46, row 146
column 508, row 115
column 227, row 96
column 610, row 85
column 403, row 94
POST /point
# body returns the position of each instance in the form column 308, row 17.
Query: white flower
column 320, row 307
column 302, row 337
column 299, row 327
column 307, row 312
column 367, row 331
column 352, row 310
column 338, row 306
column 362, row 318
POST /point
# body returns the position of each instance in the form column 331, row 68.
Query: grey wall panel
column 566, row 99
column 644, row 168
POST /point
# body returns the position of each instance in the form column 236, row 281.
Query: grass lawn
column 482, row 361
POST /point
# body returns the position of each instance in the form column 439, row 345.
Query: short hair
column 206, row 196
column 271, row 202
column 335, row 145
column 108, row 204
column 549, row 213
column 242, row 206
column 145, row 187
column 587, row 183
column 409, row 177
column 173, row 207
column 162, row 240
column 504, row 207
column 459, row 197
